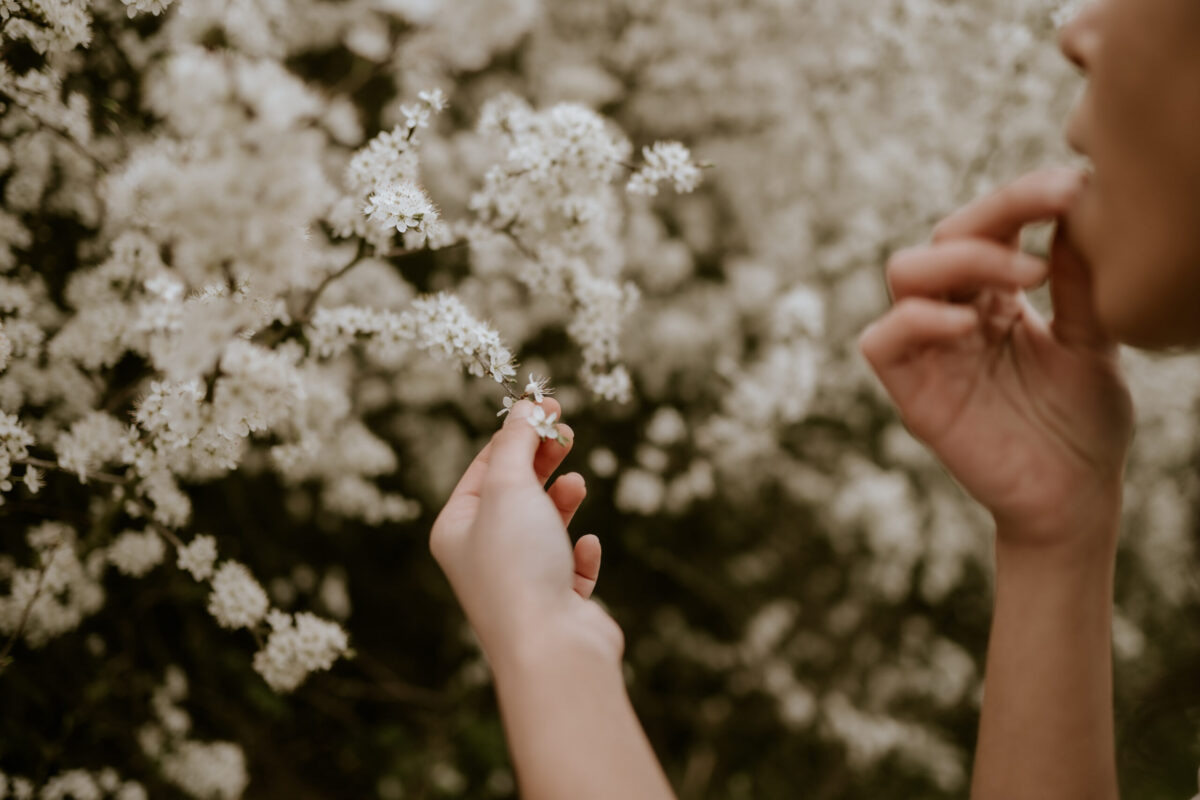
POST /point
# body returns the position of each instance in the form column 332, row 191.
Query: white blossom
column 298, row 645
column 155, row 7
column 14, row 444
column 538, row 388
column 665, row 162
column 55, row 596
column 91, row 443
column 402, row 206
column 136, row 552
column 207, row 770
column 237, row 600
column 543, row 423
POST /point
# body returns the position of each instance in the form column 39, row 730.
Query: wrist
column 559, row 642
column 1086, row 545
column 1081, row 533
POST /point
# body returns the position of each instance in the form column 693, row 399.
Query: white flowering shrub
column 270, row 271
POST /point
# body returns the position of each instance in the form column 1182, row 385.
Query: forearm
column 1046, row 729
column 571, row 728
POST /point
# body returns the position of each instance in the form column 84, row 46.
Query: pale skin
column 502, row 541
column 1031, row 415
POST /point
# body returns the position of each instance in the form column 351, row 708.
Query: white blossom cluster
column 553, row 195
column 74, row 784
column 297, row 645
column 384, row 197
column 665, row 162
column 57, row 593
column 203, row 770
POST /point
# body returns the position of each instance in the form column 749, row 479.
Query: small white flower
column 416, row 116
column 508, row 404
column 135, row 553
column 198, row 556
column 543, row 424
column 665, row 161
column 402, row 206
column 33, row 480
column 538, row 388
column 237, row 600
column 434, row 98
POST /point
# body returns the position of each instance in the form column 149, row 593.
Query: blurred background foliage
column 805, row 594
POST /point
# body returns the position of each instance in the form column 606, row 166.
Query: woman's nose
column 1077, row 38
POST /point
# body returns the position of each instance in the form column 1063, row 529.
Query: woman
column 1031, row 416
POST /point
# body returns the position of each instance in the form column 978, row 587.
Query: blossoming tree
column 266, row 269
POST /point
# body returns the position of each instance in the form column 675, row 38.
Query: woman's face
column 1138, row 220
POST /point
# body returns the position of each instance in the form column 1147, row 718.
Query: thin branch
column 58, row 129
column 16, row 634
column 509, row 230
column 102, row 477
column 307, row 312
column 169, row 535
column 394, row 685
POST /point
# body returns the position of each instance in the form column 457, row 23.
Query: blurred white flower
column 198, row 556
column 155, row 7
column 237, row 600
column 137, row 552
column 297, row 646
column 663, row 162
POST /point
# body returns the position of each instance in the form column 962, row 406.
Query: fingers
column 1075, row 318
column 550, row 454
column 568, row 493
column 914, row 323
column 463, row 502
column 587, row 565
column 472, row 480
column 960, row 268
column 1043, row 195
column 515, row 445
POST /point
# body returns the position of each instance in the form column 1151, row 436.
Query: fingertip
column 957, row 315
column 551, row 406
column 515, row 447
column 577, row 482
column 522, row 409
column 573, row 484
column 587, row 554
column 567, row 432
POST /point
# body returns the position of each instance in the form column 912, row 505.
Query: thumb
column 1071, row 292
column 514, row 447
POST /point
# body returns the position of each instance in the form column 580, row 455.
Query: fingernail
column 1030, row 264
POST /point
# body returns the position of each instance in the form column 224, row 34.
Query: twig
column 62, row 132
column 509, row 230
column 306, row 313
column 102, row 477
column 155, row 525
column 16, row 634
column 394, row 685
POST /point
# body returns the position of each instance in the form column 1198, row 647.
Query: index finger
column 1000, row 216
column 471, row 482
column 515, row 446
